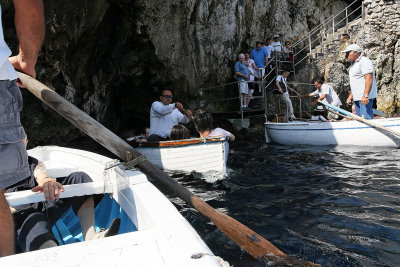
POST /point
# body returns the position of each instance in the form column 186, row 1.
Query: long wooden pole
column 360, row 119
column 246, row 238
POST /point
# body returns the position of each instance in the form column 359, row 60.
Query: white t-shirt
column 279, row 78
column 164, row 117
column 7, row 71
column 219, row 132
column 357, row 72
column 277, row 46
column 270, row 49
column 331, row 96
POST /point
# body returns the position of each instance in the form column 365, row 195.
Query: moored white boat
column 320, row 133
column 196, row 154
column 154, row 232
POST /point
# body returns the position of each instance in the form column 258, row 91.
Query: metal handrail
column 323, row 24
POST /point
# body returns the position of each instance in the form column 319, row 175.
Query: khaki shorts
column 243, row 88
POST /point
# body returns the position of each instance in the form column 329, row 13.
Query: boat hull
column 163, row 237
column 351, row 133
column 199, row 155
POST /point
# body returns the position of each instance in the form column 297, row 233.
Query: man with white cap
column 362, row 81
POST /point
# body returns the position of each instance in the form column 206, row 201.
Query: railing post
column 362, row 10
column 309, row 44
column 347, row 21
column 333, row 25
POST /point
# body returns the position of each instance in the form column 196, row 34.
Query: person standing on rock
column 30, row 28
column 242, row 74
column 260, row 56
column 362, row 81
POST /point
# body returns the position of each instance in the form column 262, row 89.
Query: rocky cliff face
column 378, row 34
column 111, row 58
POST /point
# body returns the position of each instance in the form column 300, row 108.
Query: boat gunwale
column 178, row 143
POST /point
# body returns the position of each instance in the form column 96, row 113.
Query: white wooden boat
column 321, row 133
column 196, row 154
column 155, row 234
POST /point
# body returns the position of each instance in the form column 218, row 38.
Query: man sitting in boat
column 164, row 115
column 327, row 94
column 203, row 121
column 283, row 88
column 33, row 222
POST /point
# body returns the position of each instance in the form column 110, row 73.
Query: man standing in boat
column 362, row 81
column 30, row 28
column 325, row 93
column 164, row 115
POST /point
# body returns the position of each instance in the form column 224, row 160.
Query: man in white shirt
column 277, row 45
column 283, row 88
column 30, row 28
column 164, row 115
column 362, row 81
column 326, row 94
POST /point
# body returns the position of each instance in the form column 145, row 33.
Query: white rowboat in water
column 152, row 232
column 350, row 132
column 196, row 154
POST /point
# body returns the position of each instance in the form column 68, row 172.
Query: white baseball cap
column 352, row 47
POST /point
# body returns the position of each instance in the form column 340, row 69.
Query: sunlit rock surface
column 111, row 58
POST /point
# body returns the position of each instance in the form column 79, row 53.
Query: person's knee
column 79, row 178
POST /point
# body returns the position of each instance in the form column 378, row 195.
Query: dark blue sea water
column 332, row 206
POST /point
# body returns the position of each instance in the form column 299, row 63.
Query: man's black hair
column 258, row 42
column 319, row 80
column 203, row 121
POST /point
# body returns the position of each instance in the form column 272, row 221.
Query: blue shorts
column 364, row 110
column 13, row 155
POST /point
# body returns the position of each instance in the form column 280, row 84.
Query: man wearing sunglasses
column 362, row 81
column 164, row 115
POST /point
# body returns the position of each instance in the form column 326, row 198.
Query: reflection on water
column 332, row 206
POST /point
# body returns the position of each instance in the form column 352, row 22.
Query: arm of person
column 243, row 75
column 322, row 97
column 368, row 85
column 349, row 99
column 255, row 66
column 161, row 109
column 30, row 27
column 49, row 186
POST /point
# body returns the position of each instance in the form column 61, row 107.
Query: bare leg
column 87, row 219
column 6, row 227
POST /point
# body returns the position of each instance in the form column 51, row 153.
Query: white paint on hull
column 164, row 237
column 200, row 157
column 351, row 132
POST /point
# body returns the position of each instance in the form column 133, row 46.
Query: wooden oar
column 246, row 238
column 360, row 119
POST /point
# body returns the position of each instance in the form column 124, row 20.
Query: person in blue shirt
column 242, row 74
column 260, row 56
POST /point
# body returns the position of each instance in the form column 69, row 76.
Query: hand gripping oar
column 360, row 119
column 247, row 239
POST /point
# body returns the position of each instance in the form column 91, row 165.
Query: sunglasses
column 167, row 96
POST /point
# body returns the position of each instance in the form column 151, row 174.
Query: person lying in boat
column 327, row 94
column 203, row 121
column 33, row 222
column 180, row 132
column 164, row 115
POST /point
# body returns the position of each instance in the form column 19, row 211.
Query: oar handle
column 247, row 239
